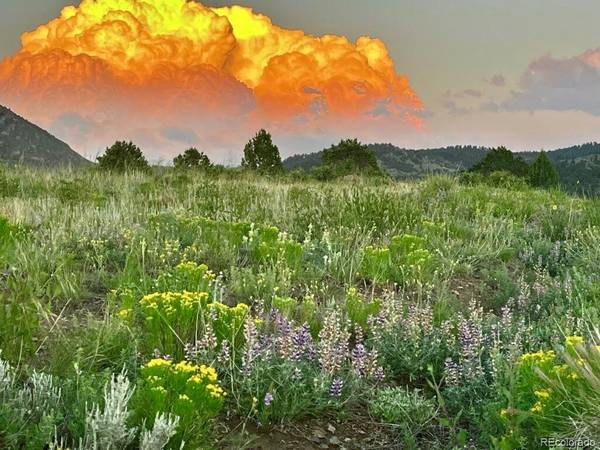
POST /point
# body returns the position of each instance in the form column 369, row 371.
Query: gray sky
column 450, row 50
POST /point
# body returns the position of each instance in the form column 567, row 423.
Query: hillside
column 578, row 166
column 23, row 142
column 326, row 310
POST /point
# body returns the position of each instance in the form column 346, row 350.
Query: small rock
column 319, row 432
column 330, row 428
column 334, row 440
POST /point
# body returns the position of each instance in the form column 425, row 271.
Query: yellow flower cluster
column 538, row 357
column 564, row 371
column 543, row 395
column 170, row 303
column 573, row 340
column 215, row 390
column 240, row 309
column 202, row 373
column 196, row 376
column 159, row 362
column 191, row 267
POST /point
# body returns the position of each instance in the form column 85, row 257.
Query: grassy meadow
column 175, row 309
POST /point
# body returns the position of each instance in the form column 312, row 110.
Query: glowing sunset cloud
column 177, row 71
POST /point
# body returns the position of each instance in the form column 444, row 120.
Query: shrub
column 192, row 159
column 188, row 391
column 347, row 158
column 30, row 412
column 123, row 156
column 261, row 154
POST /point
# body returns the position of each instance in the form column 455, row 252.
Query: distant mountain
column 26, row 143
column 577, row 166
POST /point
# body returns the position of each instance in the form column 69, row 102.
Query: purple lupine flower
column 251, row 348
column 379, row 374
column 268, row 399
column 302, row 342
column 225, row 352
column 360, row 359
column 452, row 372
column 336, row 387
column 333, row 348
column 273, row 314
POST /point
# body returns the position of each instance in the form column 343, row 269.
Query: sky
column 525, row 74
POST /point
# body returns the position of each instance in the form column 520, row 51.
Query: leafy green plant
column 405, row 259
column 410, row 410
column 188, row 391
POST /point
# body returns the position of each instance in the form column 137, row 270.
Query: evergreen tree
column 542, row 173
column 123, row 156
column 501, row 160
column 261, row 154
column 192, row 159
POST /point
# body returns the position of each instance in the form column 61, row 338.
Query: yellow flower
column 186, row 367
column 184, row 398
column 125, row 313
column 215, row 390
column 554, row 207
column 536, row 408
column 574, row 340
column 159, row 362
column 538, row 357
column 543, row 393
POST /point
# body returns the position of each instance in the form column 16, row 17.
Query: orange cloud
column 139, row 64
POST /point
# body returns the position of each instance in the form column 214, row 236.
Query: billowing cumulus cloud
column 175, row 71
column 560, row 85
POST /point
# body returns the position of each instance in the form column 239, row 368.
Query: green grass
column 497, row 272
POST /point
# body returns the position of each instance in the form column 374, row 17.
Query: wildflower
column 379, row 374
column 543, row 393
column 537, row 408
column 538, row 357
column 125, row 314
column 224, row 354
column 336, row 387
column 268, row 399
column 574, row 340
column 470, row 338
column 333, row 347
column 159, row 362
column 554, row 207
column 252, row 346
column 359, row 359
column 297, row 375
column 452, row 372
column 302, row 343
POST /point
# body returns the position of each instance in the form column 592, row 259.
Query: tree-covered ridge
column 578, row 166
